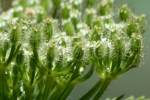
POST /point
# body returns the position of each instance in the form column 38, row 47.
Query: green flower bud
column 96, row 34
column 14, row 36
column 65, row 12
column 124, row 13
column 35, row 39
column 90, row 3
column 48, row 29
column 105, row 7
column 132, row 27
column 44, row 60
column 100, row 57
column 117, row 55
column 50, row 56
column 142, row 22
column 78, row 52
column 69, row 28
column 89, row 17
column 136, row 48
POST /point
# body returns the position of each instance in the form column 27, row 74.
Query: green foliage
column 46, row 49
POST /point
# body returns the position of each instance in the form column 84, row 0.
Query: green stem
column 67, row 92
column 69, row 86
column 64, row 92
column 4, row 89
column 105, row 83
column 54, row 93
column 49, row 88
column 91, row 92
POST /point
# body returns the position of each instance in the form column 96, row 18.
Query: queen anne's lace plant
column 47, row 48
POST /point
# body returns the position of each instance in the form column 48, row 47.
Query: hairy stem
column 105, row 83
column 91, row 92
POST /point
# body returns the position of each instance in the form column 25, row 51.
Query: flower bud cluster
column 78, row 34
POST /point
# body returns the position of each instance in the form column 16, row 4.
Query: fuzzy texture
column 46, row 50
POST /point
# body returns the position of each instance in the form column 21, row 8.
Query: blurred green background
column 137, row 81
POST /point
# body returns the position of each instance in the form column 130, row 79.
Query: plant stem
column 92, row 91
column 4, row 89
column 55, row 92
column 105, row 83
column 67, row 91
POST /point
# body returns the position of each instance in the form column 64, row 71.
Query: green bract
column 46, row 49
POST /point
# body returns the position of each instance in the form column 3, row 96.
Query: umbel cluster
column 48, row 47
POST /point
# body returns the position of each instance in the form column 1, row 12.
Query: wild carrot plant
column 48, row 47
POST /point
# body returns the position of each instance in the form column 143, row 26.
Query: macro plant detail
column 47, row 48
